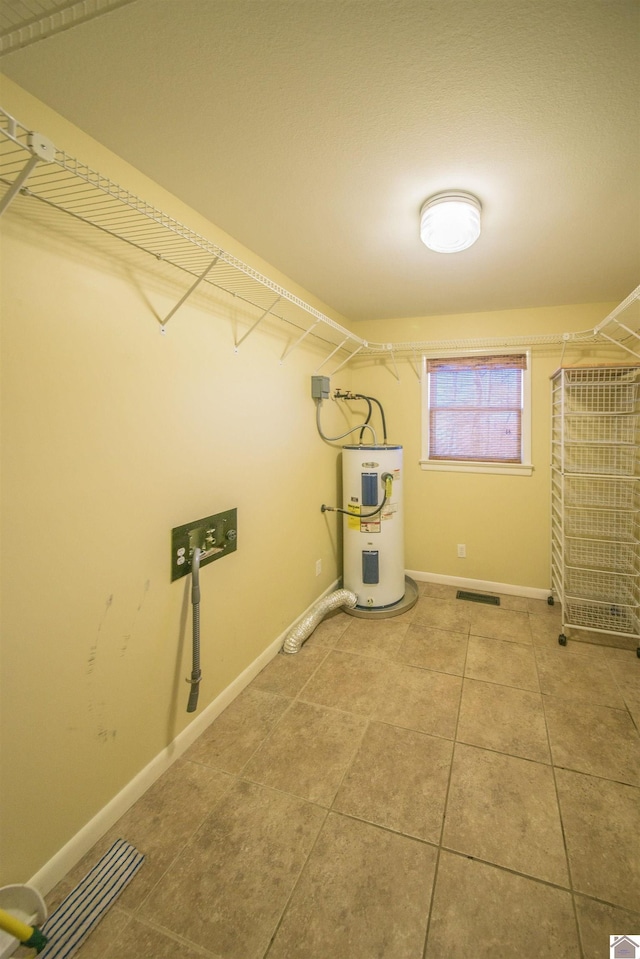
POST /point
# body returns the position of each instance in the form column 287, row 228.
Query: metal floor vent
column 478, row 597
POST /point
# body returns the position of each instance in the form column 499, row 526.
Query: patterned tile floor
column 446, row 782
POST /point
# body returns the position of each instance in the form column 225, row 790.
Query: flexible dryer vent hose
column 302, row 630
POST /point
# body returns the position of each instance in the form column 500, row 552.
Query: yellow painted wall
column 504, row 521
column 113, row 434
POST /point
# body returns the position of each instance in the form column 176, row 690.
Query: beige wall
column 502, row 520
column 113, row 434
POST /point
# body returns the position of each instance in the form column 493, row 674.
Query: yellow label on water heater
column 353, row 520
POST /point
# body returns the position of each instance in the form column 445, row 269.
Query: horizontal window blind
column 475, row 408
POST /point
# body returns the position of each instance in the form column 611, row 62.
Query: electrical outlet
column 318, row 567
column 462, row 551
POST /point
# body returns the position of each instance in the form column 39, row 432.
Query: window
column 477, row 413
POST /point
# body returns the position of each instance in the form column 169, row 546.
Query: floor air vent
column 478, row 598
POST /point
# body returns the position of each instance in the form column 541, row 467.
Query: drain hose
column 196, row 674
column 302, row 630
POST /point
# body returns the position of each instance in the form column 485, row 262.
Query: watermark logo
column 624, row 947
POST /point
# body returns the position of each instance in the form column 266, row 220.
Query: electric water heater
column 373, row 524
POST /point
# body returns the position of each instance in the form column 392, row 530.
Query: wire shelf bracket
column 40, row 148
column 350, row 357
column 266, row 313
column 416, row 366
column 393, row 360
column 302, row 337
column 191, row 289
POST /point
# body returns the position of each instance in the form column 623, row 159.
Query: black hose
column 370, row 400
column 337, row 509
column 366, row 422
column 384, row 422
column 332, row 439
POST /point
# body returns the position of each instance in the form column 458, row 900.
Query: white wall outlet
column 462, row 551
column 318, row 567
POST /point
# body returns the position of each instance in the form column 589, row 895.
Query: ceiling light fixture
column 450, row 222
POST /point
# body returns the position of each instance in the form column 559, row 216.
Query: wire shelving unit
column 31, row 165
column 595, row 464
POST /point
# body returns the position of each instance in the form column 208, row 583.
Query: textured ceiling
column 313, row 130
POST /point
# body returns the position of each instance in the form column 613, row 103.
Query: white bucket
column 24, row 903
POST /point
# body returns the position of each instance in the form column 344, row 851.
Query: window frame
column 525, row 468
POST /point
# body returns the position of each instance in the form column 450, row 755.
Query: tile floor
column 446, row 782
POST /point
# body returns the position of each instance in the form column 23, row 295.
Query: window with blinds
column 477, row 412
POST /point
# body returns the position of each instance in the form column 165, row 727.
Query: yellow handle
column 15, row 927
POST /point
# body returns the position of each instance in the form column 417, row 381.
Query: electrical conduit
column 302, row 630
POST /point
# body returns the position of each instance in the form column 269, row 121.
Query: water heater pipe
column 302, row 630
column 333, row 439
column 387, row 479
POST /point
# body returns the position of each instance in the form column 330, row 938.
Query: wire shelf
column 621, row 326
column 600, row 375
column 618, row 525
column 607, row 617
column 33, row 166
column 28, row 22
column 600, row 586
column 605, row 397
column 613, row 493
column 66, row 184
column 607, row 428
column 608, row 460
column 595, row 496
column 602, row 555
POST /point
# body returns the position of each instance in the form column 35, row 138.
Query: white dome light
column 450, row 222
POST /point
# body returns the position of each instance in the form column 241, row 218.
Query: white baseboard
column 71, row 853
column 532, row 592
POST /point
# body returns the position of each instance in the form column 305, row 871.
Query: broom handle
column 28, row 935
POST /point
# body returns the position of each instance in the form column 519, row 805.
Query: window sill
column 509, row 469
